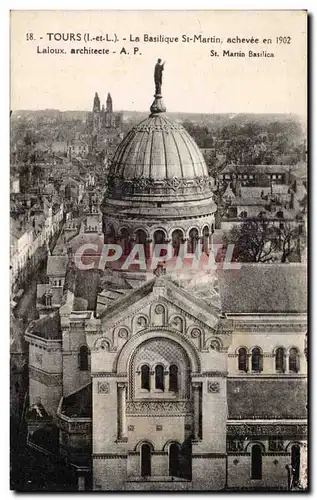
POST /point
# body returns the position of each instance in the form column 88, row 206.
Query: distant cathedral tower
column 96, row 115
column 96, row 105
column 109, row 112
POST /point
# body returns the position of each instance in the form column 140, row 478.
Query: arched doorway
column 145, row 460
column 174, row 452
column 295, row 459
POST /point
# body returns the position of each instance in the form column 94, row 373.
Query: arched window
column 145, row 377
column 257, row 360
column 192, row 240
column 159, row 377
column 83, row 358
column 159, row 239
column 280, row 360
column 174, row 451
column 295, row 459
column 242, row 360
column 145, row 460
column 293, row 360
column 110, row 236
column 173, row 378
column 256, row 462
column 125, row 241
column 177, row 239
column 141, row 239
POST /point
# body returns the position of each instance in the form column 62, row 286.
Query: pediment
column 159, row 290
column 159, row 305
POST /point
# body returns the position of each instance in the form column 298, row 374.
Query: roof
column 254, row 191
column 284, row 398
column 78, row 404
column 264, row 288
column 56, row 265
column 158, row 149
column 48, row 328
column 255, row 169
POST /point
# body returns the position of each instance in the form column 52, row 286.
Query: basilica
column 172, row 379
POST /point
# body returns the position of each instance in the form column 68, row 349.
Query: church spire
column 158, row 105
column 109, row 103
column 96, row 105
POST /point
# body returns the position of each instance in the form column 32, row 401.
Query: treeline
column 252, row 143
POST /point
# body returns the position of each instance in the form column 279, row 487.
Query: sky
column 193, row 81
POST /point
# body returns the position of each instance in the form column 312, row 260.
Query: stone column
column 196, row 409
column 166, row 380
column 287, row 361
column 122, row 422
column 152, row 380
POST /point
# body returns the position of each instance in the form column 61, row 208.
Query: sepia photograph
column 158, row 251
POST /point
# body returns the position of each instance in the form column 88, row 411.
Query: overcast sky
column 192, row 81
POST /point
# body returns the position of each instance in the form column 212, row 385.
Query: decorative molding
column 276, row 444
column 74, row 427
column 123, row 333
column 209, row 455
column 46, row 378
column 126, row 187
column 142, row 321
column 235, row 445
column 268, row 327
column 103, row 387
column 195, row 333
column 245, row 430
column 213, row 387
column 158, row 407
column 108, row 455
column 209, row 374
column 239, row 454
column 108, row 375
column 122, row 440
column 159, row 309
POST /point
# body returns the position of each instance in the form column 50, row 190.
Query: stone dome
column 158, row 149
column 158, row 161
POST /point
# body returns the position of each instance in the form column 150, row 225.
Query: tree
column 289, row 241
column 252, row 241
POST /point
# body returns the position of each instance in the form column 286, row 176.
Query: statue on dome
column 158, row 73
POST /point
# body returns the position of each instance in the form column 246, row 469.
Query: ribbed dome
column 158, row 149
